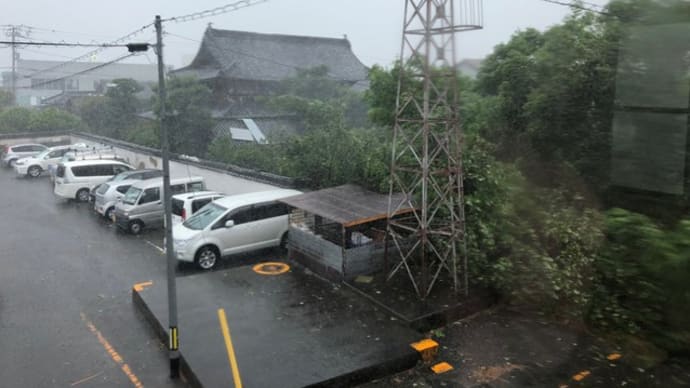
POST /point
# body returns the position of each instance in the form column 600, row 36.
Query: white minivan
column 74, row 180
column 233, row 224
column 82, row 154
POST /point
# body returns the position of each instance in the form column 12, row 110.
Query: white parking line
column 161, row 250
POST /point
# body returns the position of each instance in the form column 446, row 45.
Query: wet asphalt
column 66, row 313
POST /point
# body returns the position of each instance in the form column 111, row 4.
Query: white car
column 34, row 166
column 74, row 180
column 233, row 224
column 89, row 153
column 15, row 152
column 185, row 205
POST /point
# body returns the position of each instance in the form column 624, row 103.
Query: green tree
column 52, row 119
column 16, row 119
column 383, row 87
column 554, row 92
column 94, row 111
column 6, row 99
column 320, row 101
column 146, row 133
column 642, row 274
column 189, row 122
column 475, row 110
column 122, row 106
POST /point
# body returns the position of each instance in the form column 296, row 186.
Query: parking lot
column 65, row 293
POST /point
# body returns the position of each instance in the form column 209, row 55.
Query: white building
column 38, row 80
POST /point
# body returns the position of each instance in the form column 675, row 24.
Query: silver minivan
column 142, row 204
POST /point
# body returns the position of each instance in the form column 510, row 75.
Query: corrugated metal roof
column 241, row 134
column 255, row 131
column 348, row 205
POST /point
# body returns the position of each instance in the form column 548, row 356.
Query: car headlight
column 180, row 245
column 19, row 162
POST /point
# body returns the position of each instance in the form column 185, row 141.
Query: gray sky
column 372, row 26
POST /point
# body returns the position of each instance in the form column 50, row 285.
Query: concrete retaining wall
column 47, row 138
column 218, row 179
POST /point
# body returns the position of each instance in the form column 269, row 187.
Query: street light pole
column 173, row 337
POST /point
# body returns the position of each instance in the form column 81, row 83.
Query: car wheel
column 109, row 213
column 34, row 171
column 135, row 227
column 83, row 195
column 206, row 257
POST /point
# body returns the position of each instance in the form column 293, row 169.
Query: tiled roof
column 272, row 57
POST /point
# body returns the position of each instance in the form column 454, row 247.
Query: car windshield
column 204, row 217
column 120, row 177
column 42, row 154
column 102, row 189
column 131, row 196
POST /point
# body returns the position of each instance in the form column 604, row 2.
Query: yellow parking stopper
column 427, row 348
column 580, row 376
column 442, row 367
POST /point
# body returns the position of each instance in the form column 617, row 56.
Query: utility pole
column 14, row 65
column 14, row 32
column 173, row 337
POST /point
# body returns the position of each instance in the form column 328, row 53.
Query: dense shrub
column 642, row 280
column 19, row 119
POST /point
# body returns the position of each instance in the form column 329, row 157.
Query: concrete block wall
column 327, row 253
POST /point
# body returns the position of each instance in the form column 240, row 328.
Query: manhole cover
column 271, row 268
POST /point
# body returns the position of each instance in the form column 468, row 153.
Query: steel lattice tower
column 427, row 146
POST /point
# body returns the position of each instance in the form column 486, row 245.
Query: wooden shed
column 340, row 232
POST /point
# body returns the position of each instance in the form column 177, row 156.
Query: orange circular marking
column 271, row 268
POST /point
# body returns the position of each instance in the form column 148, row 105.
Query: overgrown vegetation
column 16, row 119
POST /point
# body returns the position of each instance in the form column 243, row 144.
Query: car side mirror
column 229, row 223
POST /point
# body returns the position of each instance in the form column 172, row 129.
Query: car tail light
column 184, row 214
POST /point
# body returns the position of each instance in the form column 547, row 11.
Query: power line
column 214, row 11
column 51, row 30
column 60, row 44
column 34, row 86
column 46, row 54
column 60, row 73
column 118, row 42
column 92, row 52
column 581, row 6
